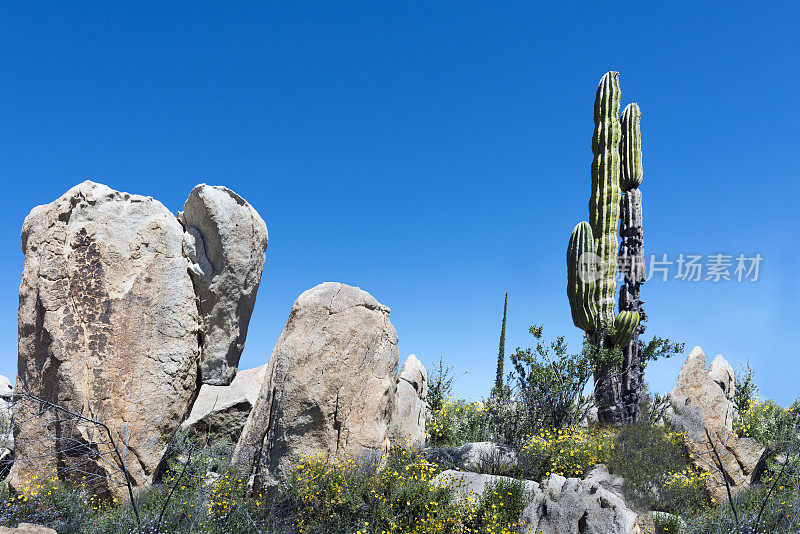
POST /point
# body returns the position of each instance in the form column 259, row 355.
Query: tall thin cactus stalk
column 501, row 354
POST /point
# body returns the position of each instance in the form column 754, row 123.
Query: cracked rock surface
column 226, row 245
column 110, row 327
column 410, row 404
column 329, row 385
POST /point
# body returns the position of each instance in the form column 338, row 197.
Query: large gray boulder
column 223, row 410
column 329, row 385
column 410, row 404
column 108, row 328
column 226, row 244
column 575, row 506
column 556, row 506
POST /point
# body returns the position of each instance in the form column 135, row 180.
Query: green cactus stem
column 582, row 277
column 630, row 148
column 624, row 327
column 605, row 198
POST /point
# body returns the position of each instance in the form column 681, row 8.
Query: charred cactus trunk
column 632, row 261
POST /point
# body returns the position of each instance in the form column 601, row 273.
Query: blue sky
column 434, row 154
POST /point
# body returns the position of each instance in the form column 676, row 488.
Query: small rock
column 27, row 528
column 599, row 475
column 223, row 410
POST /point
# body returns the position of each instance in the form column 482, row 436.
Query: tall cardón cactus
column 615, row 203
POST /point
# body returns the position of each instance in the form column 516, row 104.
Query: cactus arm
column 605, row 198
column 630, row 148
column 625, row 325
column 581, row 277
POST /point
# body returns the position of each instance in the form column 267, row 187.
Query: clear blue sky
column 434, row 154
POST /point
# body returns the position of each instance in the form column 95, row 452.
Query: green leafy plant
column 440, row 385
column 657, row 471
column 548, row 382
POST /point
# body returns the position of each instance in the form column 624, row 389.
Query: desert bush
column 548, row 383
column 398, row 497
column 457, row 422
column 566, row 452
column 657, row 471
column 665, row 523
column 440, row 385
column 499, row 510
column 745, row 390
column 767, row 422
column 781, row 513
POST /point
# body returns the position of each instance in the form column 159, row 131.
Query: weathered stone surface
column 721, row 372
column 599, row 475
column 226, row 243
column 223, row 410
column 27, row 528
column 329, row 385
column 696, row 387
column 556, row 506
column 574, row 506
column 108, row 328
column 410, row 404
column 700, row 404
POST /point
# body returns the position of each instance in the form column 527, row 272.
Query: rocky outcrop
column 556, row 506
column 329, row 385
column 610, row 482
column 575, row 506
column 410, row 404
column 223, row 410
column 226, row 244
column 109, row 330
column 700, row 402
column 721, row 372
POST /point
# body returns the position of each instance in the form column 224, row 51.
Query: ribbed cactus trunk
column 604, row 202
column 604, row 220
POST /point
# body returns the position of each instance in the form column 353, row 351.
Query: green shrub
column 656, row 469
column 766, row 422
column 457, row 422
column 548, row 383
column 667, row 523
column 781, row 513
column 501, row 506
